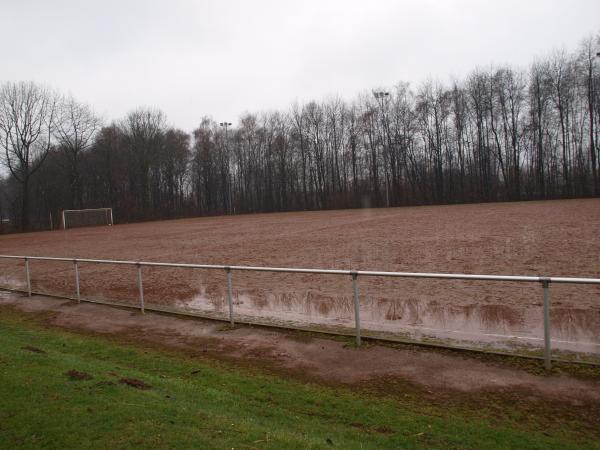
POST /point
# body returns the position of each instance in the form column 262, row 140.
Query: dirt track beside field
column 552, row 238
column 314, row 358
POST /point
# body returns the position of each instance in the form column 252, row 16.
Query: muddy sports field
column 551, row 238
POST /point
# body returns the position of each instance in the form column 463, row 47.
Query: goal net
column 86, row 217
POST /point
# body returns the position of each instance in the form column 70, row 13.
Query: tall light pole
column 228, row 193
column 380, row 96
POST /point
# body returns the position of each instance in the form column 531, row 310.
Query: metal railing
column 354, row 274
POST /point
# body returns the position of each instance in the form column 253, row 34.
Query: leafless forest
column 501, row 133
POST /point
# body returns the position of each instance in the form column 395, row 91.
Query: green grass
column 203, row 403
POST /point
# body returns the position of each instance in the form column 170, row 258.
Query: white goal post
column 72, row 218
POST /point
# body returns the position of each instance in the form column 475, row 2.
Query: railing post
column 77, row 280
column 356, row 306
column 229, row 295
column 140, row 287
column 547, row 345
column 27, row 275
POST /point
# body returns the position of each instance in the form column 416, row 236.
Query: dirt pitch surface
column 373, row 366
column 551, row 238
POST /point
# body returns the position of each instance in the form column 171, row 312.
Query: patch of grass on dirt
column 228, row 327
column 193, row 403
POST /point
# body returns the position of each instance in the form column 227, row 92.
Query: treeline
column 499, row 134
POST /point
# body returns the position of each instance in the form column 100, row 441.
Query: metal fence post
column 77, row 280
column 547, row 346
column 229, row 295
column 356, row 306
column 27, row 275
column 140, row 287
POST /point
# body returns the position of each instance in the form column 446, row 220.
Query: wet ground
column 498, row 326
column 311, row 357
column 552, row 238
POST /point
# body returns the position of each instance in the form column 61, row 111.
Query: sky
column 223, row 58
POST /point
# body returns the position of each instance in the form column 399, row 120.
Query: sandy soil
column 552, row 238
column 316, row 358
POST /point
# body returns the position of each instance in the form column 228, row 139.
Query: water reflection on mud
column 484, row 324
column 11, row 282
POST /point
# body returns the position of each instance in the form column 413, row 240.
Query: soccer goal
column 72, row 218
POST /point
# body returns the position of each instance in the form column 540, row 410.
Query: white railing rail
column 545, row 281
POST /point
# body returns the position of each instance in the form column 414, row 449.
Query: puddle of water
column 11, row 282
column 486, row 324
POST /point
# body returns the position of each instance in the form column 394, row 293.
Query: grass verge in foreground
column 63, row 390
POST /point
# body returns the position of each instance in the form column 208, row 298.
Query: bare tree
column 76, row 127
column 143, row 131
column 177, row 146
column 587, row 56
column 498, row 134
column 27, row 112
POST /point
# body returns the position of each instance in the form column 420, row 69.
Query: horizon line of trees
column 500, row 134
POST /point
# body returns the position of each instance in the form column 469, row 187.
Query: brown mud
column 558, row 238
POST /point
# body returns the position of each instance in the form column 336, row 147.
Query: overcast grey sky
column 221, row 58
